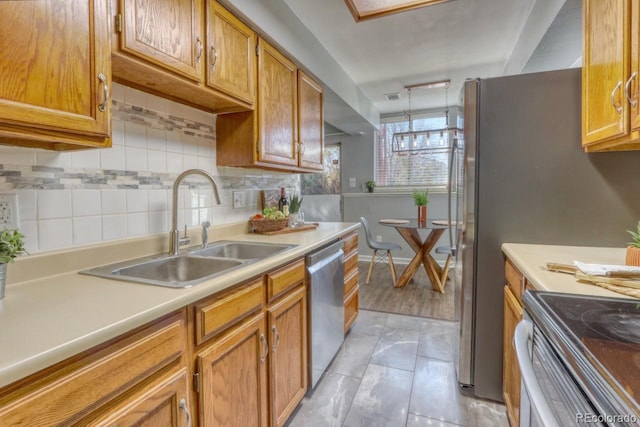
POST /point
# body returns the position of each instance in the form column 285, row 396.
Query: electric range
column 597, row 340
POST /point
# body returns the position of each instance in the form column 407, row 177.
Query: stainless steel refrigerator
column 527, row 180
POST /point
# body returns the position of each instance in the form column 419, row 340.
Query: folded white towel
column 603, row 269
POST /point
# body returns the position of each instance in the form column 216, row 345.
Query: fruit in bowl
column 271, row 219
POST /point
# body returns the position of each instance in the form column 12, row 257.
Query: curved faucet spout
column 174, row 237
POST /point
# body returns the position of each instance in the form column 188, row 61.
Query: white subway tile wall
column 77, row 198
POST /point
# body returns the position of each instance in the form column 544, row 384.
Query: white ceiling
column 454, row 40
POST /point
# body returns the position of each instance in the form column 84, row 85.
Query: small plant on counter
column 11, row 245
column 633, row 248
column 370, row 185
column 294, row 204
column 421, row 198
column 636, row 236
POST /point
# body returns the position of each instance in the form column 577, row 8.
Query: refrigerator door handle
column 452, row 155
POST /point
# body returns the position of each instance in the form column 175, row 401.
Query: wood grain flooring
column 416, row 299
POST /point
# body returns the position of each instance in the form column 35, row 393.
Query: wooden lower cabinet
column 255, row 371
column 164, row 402
column 510, row 369
column 288, row 354
column 88, row 384
column 351, row 279
column 233, row 377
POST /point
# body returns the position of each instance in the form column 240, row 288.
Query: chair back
column 367, row 231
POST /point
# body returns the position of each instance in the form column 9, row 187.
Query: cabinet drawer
column 515, row 280
column 215, row 314
column 351, row 306
column 350, row 242
column 280, row 281
column 350, row 264
column 351, row 281
column 73, row 389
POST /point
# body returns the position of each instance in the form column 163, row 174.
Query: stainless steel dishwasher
column 325, row 279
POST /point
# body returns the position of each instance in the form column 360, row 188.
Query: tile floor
column 396, row 371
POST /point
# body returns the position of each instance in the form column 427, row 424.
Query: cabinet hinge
column 196, row 382
column 119, row 23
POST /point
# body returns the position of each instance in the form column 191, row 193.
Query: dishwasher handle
column 524, row 335
column 322, row 254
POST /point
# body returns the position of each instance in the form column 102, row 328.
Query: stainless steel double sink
column 194, row 266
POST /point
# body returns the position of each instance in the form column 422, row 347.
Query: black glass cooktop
column 597, row 334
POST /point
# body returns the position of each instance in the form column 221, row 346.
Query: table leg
column 412, row 237
column 433, row 269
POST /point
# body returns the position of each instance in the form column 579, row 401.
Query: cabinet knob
column 183, row 406
column 199, row 49
column 105, row 92
column 613, row 98
column 214, row 57
column 263, row 340
column 627, row 91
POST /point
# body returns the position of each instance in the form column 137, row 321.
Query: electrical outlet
column 378, row 238
column 9, row 211
column 238, row 199
column 352, row 182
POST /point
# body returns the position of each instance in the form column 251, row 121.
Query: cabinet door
column 163, row 403
column 605, row 110
column 288, row 358
column 634, row 76
column 167, row 33
column 310, row 122
column 277, row 99
column 510, row 369
column 233, row 374
column 231, row 54
column 55, row 67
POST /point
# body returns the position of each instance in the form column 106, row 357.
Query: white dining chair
column 379, row 246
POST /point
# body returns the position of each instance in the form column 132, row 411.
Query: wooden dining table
column 409, row 230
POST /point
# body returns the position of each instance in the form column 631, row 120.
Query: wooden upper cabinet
column 159, row 46
column 277, row 100
column 167, row 33
column 285, row 132
column 610, row 110
column 231, row 59
column 56, row 74
column 310, row 122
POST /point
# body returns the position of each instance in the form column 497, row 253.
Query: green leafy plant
column 294, row 203
column 11, row 245
column 636, row 236
column 421, row 197
column 370, row 184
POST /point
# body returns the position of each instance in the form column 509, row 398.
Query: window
column 422, row 168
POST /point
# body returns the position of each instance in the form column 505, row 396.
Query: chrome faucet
column 174, row 235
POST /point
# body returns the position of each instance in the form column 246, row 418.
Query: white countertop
column 530, row 260
column 45, row 320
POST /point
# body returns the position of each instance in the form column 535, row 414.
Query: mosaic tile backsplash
column 77, row 198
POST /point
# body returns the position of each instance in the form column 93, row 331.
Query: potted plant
column 296, row 218
column 633, row 248
column 370, row 185
column 11, row 245
column 421, row 199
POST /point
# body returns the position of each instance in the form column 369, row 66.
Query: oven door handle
column 523, row 336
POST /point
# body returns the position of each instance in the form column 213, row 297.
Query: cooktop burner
column 613, row 324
